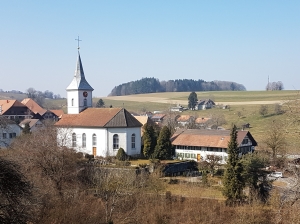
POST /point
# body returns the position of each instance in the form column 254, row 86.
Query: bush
column 121, row 155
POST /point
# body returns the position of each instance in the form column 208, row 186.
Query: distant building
column 205, row 104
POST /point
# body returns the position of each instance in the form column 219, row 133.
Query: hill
column 153, row 85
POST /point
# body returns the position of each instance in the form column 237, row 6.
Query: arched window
column 116, row 141
column 83, row 140
column 73, row 140
column 133, row 141
column 85, row 102
column 72, row 102
column 94, row 139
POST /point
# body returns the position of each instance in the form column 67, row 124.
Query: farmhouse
column 197, row 144
column 205, row 104
column 38, row 110
column 97, row 131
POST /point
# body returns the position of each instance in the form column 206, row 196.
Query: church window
column 116, row 141
column 72, row 102
column 83, row 140
column 94, row 139
column 85, row 102
column 73, row 140
column 133, row 141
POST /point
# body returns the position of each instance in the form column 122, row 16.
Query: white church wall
column 138, row 139
column 78, row 101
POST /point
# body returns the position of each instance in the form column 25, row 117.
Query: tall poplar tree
column 149, row 140
column 192, row 100
column 164, row 148
column 233, row 177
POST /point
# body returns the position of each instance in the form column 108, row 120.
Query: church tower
column 79, row 92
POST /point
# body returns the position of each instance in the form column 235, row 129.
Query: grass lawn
column 195, row 190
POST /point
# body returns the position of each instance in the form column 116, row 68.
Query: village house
column 9, row 129
column 177, row 108
column 205, row 104
column 97, row 131
column 37, row 109
column 34, row 124
column 15, row 110
column 197, row 144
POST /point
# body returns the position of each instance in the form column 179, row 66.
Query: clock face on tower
column 85, row 94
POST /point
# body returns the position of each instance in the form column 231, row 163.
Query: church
column 96, row 131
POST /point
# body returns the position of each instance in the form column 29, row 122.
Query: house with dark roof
column 97, row 131
column 197, row 144
column 205, row 104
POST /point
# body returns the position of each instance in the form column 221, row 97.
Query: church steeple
column 79, row 82
column 79, row 92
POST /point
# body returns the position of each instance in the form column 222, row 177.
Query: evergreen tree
column 192, row 100
column 149, row 140
column 100, row 103
column 164, row 148
column 26, row 129
column 233, row 178
column 121, row 155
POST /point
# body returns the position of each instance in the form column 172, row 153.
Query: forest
column 153, row 85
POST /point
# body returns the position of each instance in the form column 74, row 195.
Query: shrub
column 121, row 155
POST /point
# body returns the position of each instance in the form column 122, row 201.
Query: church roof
column 99, row 117
column 79, row 82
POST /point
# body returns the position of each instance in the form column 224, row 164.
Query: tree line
column 153, row 85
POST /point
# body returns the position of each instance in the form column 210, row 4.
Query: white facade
column 77, row 100
column 8, row 133
column 200, row 153
column 100, row 141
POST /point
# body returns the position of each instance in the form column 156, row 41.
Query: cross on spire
column 78, row 43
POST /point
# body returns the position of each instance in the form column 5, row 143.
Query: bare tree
column 275, row 138
column 15, row 194
column 263, row 110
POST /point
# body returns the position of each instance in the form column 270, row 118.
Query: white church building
column 97, row 131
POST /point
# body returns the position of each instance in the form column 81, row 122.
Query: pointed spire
column 79, row 82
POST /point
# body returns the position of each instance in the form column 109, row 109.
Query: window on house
column 72, row 102
column 116, row 141
column 133, row 141
column 83, row 140
column 85, row 102
column 4, row 135
column 245, row 141
column 94, row 139
column 14, row 135
column 73, row 140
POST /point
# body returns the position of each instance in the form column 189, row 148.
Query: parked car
column 276, row 174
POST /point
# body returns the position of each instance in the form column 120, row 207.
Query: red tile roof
column 100, row 117
column 33, row 106
column 207, row 138
column 7, row 104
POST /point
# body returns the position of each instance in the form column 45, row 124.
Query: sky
column 123, row 41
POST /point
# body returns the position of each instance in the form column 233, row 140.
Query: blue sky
column 122, row 41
